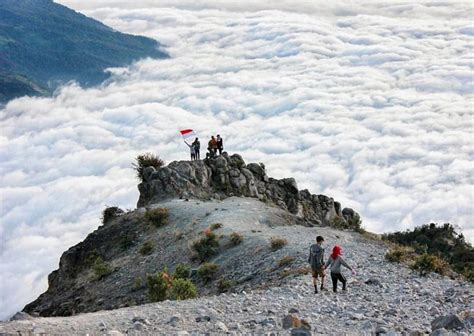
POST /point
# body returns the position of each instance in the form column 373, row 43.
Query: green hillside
column 44, row 44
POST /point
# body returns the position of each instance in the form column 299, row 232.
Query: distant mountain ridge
column 44, row 44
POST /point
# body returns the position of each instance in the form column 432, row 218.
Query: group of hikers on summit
column 215, row 144
column 318, row 266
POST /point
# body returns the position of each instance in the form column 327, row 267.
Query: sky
column 369, row 103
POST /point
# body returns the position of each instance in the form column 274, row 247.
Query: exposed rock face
column 227, row 176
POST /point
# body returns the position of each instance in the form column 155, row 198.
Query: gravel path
column 397, row 301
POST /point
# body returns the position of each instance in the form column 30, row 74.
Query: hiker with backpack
column 212, row 148
column 335, row 261
column 316, row 260
column 197, row 148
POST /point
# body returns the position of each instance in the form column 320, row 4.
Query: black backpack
column 316, row 256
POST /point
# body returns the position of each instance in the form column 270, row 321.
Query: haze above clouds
column 370, row 104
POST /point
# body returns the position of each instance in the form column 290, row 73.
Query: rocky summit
column 228, row 176
column 245, row 238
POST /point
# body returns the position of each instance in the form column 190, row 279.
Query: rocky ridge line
column 226, row 176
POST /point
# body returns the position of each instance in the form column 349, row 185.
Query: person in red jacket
column 335, row 261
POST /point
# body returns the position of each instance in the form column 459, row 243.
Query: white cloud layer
column 370, row 104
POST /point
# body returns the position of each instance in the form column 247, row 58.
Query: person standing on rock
column 335, row 260
column 316, row 260
column 192, row 151
column 197, row 149
column 212, row 147
column 220, row 144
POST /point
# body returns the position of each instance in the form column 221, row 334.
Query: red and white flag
column 187, row 134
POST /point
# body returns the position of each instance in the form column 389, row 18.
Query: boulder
column 448, row 322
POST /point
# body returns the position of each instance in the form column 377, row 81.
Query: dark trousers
column 197, row 154
column 220, row 150
column 335, row 277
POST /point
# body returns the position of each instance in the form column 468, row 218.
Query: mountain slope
column 382, row 296
column 188, row 202
column 49, row 44
column 211, row 187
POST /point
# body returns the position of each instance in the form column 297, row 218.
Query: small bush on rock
column 339, row 223
column 355, row 223
column 158, row 285
column 146, row 160
column 183, row 289
column 147, row 248
column 208, row 271
column 110, row 213
column 236, row 238
column 101, row 268
column 400, row 253
column 178, row 235
column 216, row 226
column 137, row 284
column 181, row 272
column 158, row 217
column 223, row 285
column 207, row 246
column 427, row 263
column 277, row 243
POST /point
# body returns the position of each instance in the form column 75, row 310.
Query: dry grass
column 277, row 243
column 285, row 261
column 296, row 271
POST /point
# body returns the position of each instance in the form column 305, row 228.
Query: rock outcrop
column 227, row 176
column 109, row 268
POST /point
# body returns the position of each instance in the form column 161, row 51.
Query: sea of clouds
column 370, row 104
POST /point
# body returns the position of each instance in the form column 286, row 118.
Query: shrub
column 178, row 235
column 181, row 272
column 137, row 284
column 183, row 289
column 126, row 242
column 146, row 160
column 236, row 238
column 216, row 226
column 110, row 213
column 339, row 222
column 400, row 253
column 285, row 261
column 147, row 248
column 101, row 268
column 207, row 246
column 277, row 243
column 208, row 271
column 296, row 271
column 158, row 217
column 427, row 263
column 441, row 240
column 91, row 257
column 158, row 285
column 223, row 285
column 355, row 223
